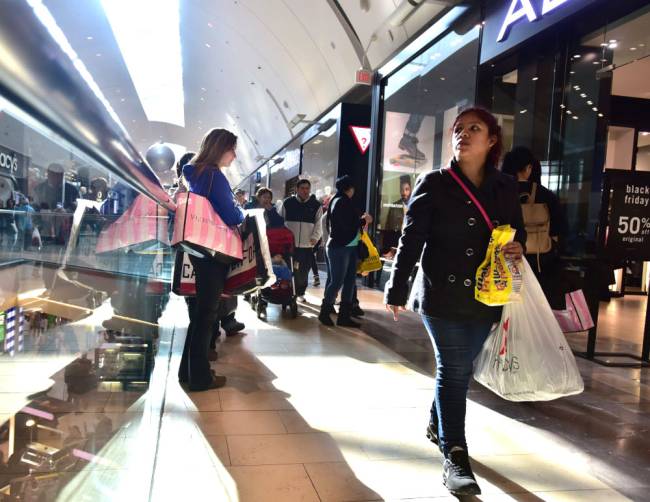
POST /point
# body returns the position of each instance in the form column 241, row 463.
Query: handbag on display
column 200, row 231
column 142, row 226
column 576, row 316
column 527, row 357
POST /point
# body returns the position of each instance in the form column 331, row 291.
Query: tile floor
column 327, row 414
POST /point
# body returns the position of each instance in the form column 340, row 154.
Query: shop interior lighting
column 583, row 95
column 590, row 102
column 601, row 115
column 575, row 117
column 595, row 109
column 569, row 112
column 523, row 111
column 147, row 48
column 535, row 79
column 613, row 45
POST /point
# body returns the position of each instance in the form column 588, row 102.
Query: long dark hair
column 214, row 144
column 494, row 129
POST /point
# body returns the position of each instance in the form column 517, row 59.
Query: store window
column 421, row 101
column 285, row 174
column 320, row 159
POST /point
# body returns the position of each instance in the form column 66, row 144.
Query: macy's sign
column 520, row 9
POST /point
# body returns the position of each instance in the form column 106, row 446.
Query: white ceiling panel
column 248, row 65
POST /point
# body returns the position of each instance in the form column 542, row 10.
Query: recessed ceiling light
column 569, row 112
column 89, row 38
column 535, row 78
column 99, row 54
column 583, row 95
column 613, row 45
column 562, row 106
column 590, row 102
column 523, row 111
column 443, row 78
column 596, row 62
column 613, row 41
column 123, row 100
column 208, row 45
column 572, row 72
column 603, row 44
column 575, row 117
column 144, row 56
column 632, row 48
column 577, row 56
column 576, row 87
column 601, row 115
column 595, row 109
column 641, row 45
column 210, row 25
column 203, row 89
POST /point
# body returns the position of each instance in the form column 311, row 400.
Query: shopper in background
column 446, row 232
column 344, row 222
column 204, row 177
column 11, row 230
column 56, row 190
column 264, row 200
column 240, row 195
column 545, row 223
column 24, row 222
column 303, row 215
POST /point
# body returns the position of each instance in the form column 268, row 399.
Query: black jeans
column 210, row 278
column 302, row 264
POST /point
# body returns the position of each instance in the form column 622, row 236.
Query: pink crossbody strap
column 457, row 179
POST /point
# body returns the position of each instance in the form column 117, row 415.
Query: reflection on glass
column 421, row 101
column 84, row 276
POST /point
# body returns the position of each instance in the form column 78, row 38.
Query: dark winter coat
column 446, row 232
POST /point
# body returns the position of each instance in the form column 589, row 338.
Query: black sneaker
column 432, row 433
column 457, row 474
column 316, row 282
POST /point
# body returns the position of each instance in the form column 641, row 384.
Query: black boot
column 231, row 325
column 357, row 311
column 432, row 428
column 345, row 317
column 457, row 473
column 324, row 314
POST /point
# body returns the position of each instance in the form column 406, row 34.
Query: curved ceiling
column 247, row 65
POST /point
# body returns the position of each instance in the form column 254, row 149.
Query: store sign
column 520, row 9
column 628, row 236
column 508, row 23
column 362, row 137
column 12, row 163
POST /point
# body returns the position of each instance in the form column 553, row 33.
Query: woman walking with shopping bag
column 204, row 177
column 447, row 228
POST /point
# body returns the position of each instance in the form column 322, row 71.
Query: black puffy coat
column 446, row 232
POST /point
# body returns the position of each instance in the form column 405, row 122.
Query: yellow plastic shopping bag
column 498, row 280
column 372, row 262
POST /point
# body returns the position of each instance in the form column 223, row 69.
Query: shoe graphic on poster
column 409, row 144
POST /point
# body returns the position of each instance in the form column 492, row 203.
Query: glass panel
column 643, row 152
column 320, row 158
column 84, row 276
column 620, row 148
column 421, row 101
column 284, row 174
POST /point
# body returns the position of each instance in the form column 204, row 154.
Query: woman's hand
column 367, row 217
column 395, row 310
column 513, row 250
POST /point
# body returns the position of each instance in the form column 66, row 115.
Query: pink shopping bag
column 143, row 223
column 576, row 316
column 199, row 230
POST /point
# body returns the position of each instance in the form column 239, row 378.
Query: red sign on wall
column 362, row 137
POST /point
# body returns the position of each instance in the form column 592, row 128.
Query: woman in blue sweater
column 204, row 177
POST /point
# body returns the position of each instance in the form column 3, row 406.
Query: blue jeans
column 456, row 344
column 341, row 272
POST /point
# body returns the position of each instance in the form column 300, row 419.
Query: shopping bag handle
column 457, row 179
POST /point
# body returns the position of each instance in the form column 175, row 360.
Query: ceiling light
column 601, row 115
column 523, row 111
column 583, row 95
column 99, row 54
column 208, row 45
column 576, row 56
column 632, row 48
column 572, row 72
column 575, row 117
column 148, row 47
column 210, row 25
column 595, row 109
column 590, row 102
column 613, row 41
column 613, row 46
column 596, row 62
column 576, row 87
column 562, row 106
column 603, row 44
column 89, row 38
column 535, row 78
column 641, row 45
column 569, row 112
column 442, row 78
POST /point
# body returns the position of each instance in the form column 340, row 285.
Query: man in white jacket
column 303, row 215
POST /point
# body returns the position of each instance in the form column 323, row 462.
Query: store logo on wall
column 9, row 162
column 524, row 8
column 362, row 137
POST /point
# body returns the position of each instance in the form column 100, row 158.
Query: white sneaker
column 301, row 299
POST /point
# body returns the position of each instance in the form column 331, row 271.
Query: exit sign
column 364, row 77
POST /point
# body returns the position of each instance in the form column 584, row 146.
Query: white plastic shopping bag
column 527, row 358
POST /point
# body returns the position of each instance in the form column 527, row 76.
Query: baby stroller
column 283, row 291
